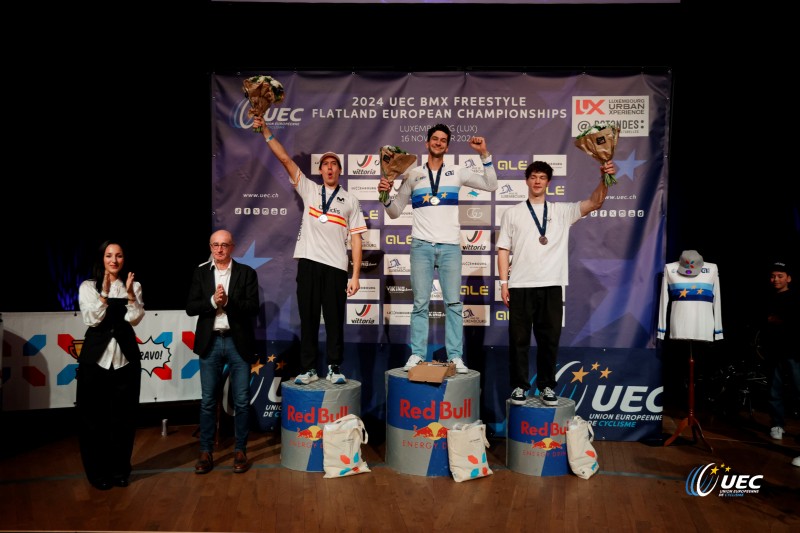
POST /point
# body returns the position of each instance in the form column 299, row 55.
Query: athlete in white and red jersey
column 330, row 215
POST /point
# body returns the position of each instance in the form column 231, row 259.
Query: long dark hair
column 99, row 267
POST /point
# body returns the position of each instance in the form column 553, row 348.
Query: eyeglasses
column 223, row 245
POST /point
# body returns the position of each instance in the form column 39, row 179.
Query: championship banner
column 616, row 253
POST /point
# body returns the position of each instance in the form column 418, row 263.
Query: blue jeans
column 781, row 370
column 212, row 366
column 446, row 258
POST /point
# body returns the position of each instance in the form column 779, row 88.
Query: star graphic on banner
column 605, row 373
column 625, row 167
column 280, row 365
column 249, row 258
column 714, row 470
column 595, row 366
column 255, row 368
column 271, row 358
column 579, row 375
column 628, row 283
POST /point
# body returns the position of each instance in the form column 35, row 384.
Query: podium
column 306, row 409
column 537, row 437
column 418, row 416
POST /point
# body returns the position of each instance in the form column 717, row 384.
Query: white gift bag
column 341, row 447
column 581, row 454
column 466, row 451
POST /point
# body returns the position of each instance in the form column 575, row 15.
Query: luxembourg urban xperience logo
column 702, row 481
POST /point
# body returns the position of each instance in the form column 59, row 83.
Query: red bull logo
column 310, row 433
column 314, row 415
column 433, row 431
column 442, row 411
column 546, row 444
column 552, row 429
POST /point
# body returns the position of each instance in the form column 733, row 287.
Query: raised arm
column 598, row 196
column 277, row 148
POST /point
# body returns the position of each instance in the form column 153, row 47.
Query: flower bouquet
column 394, row 161
column 262, row 91
column 600, row 142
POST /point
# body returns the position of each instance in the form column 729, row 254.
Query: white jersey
column 327, row 243
column 535, row 264
column 694, row 304
column 439, row 223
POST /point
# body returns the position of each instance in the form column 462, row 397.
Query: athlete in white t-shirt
column 330, row 215
column 536, row 232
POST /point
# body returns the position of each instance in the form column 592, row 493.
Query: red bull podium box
column 537, row 437
column 306, row 409
column 418, row 416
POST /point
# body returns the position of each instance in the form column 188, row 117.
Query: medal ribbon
column 542, row 228
column 326, row 205
column 434, row 185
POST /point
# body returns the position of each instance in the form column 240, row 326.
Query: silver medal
column 435, row 200
column 323, row 218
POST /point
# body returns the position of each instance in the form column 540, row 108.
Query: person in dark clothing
column 224, row 298
column 778, row 340
column 109, row 369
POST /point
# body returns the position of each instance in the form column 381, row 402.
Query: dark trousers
column 321, row 287
column 542, row 309
column 107, row 402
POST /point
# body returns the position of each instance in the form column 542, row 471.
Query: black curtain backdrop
column 115, row 115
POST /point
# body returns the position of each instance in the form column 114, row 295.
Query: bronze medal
column 543, row 239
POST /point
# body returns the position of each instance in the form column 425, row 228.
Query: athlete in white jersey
column 433, row 190
column 536, row 232
column 330, row 215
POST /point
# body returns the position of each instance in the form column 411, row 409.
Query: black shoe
column 518, row 396
column 120, row 481
column 101, row 484
column 549, row 397
column 204, row 464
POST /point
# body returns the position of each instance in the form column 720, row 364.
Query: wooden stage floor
column 639, row 487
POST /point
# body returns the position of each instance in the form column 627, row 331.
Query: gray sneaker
column 306, row 377
column 335, row 375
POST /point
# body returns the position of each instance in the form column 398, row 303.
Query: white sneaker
column 461, row 368
column 776, row 433
column 413, row 361
column 796, row 461
column 335, row 376
column 306, row 378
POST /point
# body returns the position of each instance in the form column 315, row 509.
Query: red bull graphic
column 419, row 416
column 537, row 442
column 306, row 409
